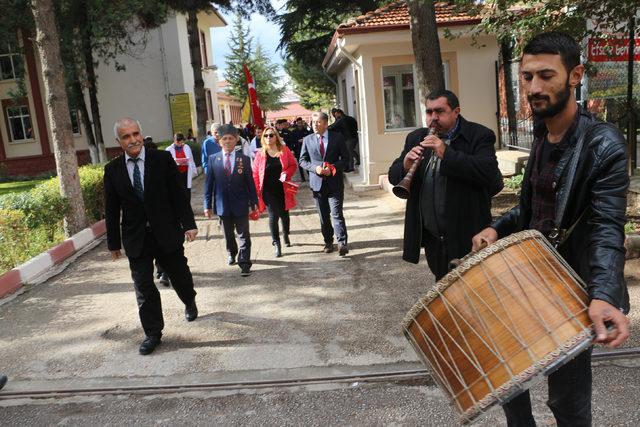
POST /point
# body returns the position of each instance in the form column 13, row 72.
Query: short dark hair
column 452, row 99
column 179, row 137
column 555, row 43
column 298, row 119
column 280, row 121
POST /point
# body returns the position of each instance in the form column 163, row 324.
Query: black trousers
column 352, row 148
column 329, row 207
column 241, row 226
column 147, row 294
column 274, row 200
column 275, row 214
column 184, row 179
column 436, row 252
column 569, row 396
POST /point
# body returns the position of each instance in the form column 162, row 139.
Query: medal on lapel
column 239, row 164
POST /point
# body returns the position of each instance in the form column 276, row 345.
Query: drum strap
column 558, row 235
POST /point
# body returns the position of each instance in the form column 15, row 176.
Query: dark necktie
column 322, row 146
column 227, row 164
column 137, row 180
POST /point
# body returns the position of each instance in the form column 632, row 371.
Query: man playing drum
column 579, row 205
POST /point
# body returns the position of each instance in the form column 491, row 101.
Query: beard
column 562, row 99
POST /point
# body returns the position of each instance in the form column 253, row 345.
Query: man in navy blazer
column 230, row 193
column 324, row 154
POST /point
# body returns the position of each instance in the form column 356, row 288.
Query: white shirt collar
column 140, row 156
column 325, row 135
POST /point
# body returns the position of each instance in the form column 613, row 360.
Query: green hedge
column 31, row 221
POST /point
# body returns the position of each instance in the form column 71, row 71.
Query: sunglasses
column 269, row 135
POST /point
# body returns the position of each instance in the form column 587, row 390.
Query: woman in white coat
column 183, row 156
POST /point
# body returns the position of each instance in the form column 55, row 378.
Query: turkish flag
column 253, row 98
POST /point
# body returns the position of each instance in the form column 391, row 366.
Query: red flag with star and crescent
column 256, row 112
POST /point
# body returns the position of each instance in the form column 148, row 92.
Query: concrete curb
column 13, row 280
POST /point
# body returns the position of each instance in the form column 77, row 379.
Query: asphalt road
column 307, row 314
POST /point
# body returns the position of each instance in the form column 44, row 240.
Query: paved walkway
column 307, row 314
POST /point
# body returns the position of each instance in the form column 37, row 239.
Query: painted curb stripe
column 35, row 267
column 10, row 282
column 14, row 279
column 62, row 251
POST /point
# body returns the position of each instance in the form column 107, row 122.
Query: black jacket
column 347, row 126
column 595, row 248
column 473, row 178
column 165, row 205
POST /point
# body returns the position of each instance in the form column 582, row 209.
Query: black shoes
column 191, row 311
column 277, row 249
column 231, row 259
column 287, row 242
column 328, row 248
column 164, row 279
column 343, row 249
column 245, row 271
column 3, row 381
column 149, row 344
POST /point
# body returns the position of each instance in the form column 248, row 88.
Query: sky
column 268, row 33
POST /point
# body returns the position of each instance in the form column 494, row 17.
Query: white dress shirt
column 325, row 140
column 131, row 165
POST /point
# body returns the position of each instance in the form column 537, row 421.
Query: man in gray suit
column 324, row 154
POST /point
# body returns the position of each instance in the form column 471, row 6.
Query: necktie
column 322, row 146
column 137, row 180
column 227, row 164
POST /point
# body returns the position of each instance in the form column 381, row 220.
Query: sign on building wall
column 608, row 58
column 180, row 106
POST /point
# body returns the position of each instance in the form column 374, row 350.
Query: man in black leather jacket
column 591, row 228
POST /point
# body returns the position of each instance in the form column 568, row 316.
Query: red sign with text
column 612, row 50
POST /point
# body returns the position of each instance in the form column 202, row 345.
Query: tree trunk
column 196, row 64
column 506, row 51
column 92, row 83
column 47, row 42
column 426, row 47
column 86, row 123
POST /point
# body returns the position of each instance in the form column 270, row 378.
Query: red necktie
column 322, row 146
column 227, row 164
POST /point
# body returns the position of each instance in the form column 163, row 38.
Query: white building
column 161, row 68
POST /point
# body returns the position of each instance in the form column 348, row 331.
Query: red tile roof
column 395, row 16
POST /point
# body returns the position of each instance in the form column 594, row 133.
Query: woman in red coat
column 274, row 164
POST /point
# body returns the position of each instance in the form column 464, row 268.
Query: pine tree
column 266, row 76
column 265, row 73
column 241, row 44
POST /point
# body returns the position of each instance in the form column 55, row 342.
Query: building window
column 75, row 121
column 203, row 48
column 19, row 123
column 10, row 62
column 400, row 97
column 209, row 105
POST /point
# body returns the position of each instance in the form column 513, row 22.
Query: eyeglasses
column 269, row 135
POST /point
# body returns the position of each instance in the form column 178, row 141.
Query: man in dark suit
column 348, row 127
column 451, row 191
column 156, row 218
column 230, row 193
column 298, row 135
column 324, row 154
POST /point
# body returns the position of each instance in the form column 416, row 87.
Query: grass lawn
column 18, row 186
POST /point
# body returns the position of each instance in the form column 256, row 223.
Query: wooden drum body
column 505, row 317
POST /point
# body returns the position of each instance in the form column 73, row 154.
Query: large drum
column 504, row 318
